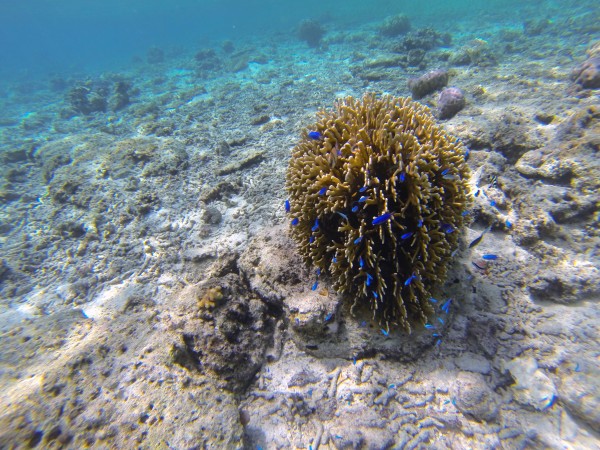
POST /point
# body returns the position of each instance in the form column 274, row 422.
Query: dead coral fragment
column 377, row 191
column 210, row 298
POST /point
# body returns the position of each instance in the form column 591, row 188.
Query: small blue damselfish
column 315, row 135
column 410, row 279
column 489, row 257
column 381, row 219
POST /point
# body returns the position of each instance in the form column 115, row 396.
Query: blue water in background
column 43, row 37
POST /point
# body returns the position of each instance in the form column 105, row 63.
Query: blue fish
column 464, row 213
column 420, row 223
column 316, row 225
column 328, row 317
column 410, row 280
column 318, row 271
column 402, row 177
column 429, row 326
column 361, row 262
column 381, row 219
column 357, row 240
column 446, row 402
column 467, row 154
column 315, row 286
column 385, row 333
column 354, row 209
column 438, row 342
column 369, row 280
column 322, row 191
column 375, row 295
column 446, row 305
column 440, row 320
column 493, row 203
column 311, row 239
column 295, row 221
column 287, row 206
column 436, row 335
column 354, row 360
column 432, row 300
column 508, row 224
column 477, row 192
column 447, row 228
column 362, row 199
column 489, row 257
column 392, row 386
column 445, row 172
column 406, row 235
column 362, row 189
column 315, row 135
column 334, row 260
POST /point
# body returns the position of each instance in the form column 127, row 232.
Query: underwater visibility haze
column 314, row 225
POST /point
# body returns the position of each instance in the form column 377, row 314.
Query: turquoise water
column 42, row 37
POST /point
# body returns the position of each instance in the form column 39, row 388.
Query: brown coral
column 377, row 190
column 210, row 298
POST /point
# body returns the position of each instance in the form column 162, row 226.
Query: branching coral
column 377, row 191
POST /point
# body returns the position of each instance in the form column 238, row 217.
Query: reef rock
column 587, row 74
column 451, row 101
column 428, row 83
column 474, row 397
column 580, row 391
column 532, row 386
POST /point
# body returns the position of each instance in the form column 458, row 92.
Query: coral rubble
column 377, row 191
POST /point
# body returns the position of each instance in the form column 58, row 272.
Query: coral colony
column 376, row 192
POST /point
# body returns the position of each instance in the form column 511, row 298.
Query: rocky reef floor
column 151, row 296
